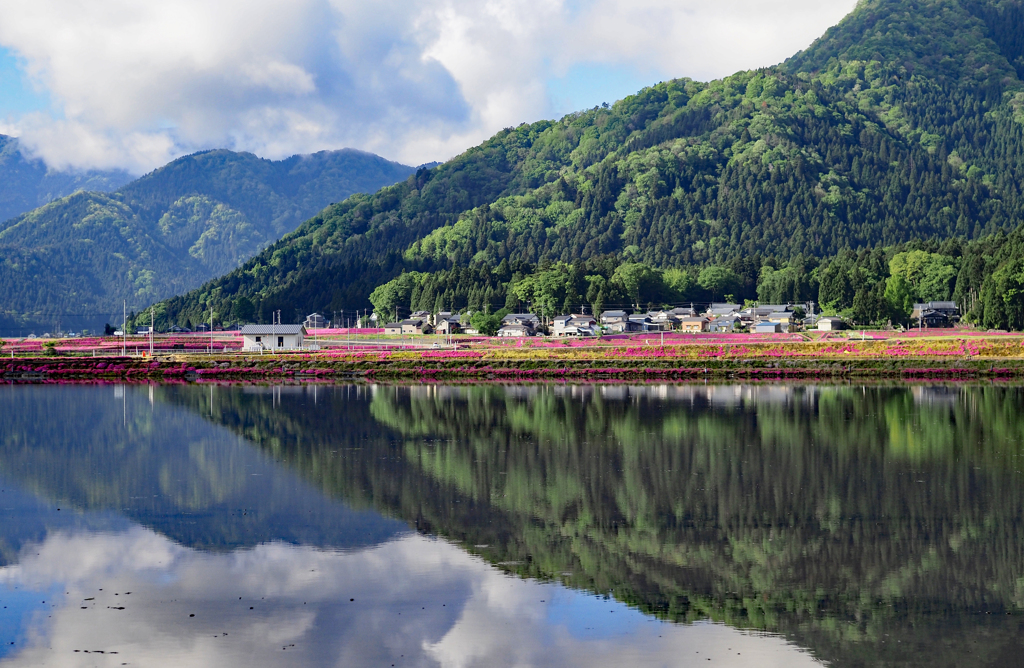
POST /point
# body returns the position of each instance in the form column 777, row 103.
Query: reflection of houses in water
column 935, row 395
column 718, row 396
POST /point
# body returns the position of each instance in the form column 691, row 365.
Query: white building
column 574, row 325
column 830, row 324
column 272, row 337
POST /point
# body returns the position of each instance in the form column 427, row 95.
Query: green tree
column 1003, row 296
column 387, row 299
column 243, row 309
column 487, row 324
column 639, row 282
column 719, row 281
column 931, row 276
column 680, row 284
column 596, row 292
column 899, row 296
column 835, row 287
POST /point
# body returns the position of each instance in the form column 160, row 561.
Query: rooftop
column 263, row 330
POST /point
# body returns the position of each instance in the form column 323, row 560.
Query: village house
column 728, row 323
column 526, row 319
column 574, row 325
column 642, row 323
column 615, row 320
column 946, row 309
column 448, row 325
column 315, row 321
column 762, row 311
column 718, row 310
column 393, row 328
column 782, row 318
column 416, row 326
column 513, row 329
column 932, row 318
column 665, row 320
column 272, row 337
column 694, row 324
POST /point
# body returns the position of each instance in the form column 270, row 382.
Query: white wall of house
column 271, row 342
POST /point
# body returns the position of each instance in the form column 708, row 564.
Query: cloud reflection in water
column 418, row 601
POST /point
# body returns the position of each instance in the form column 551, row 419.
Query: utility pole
column 124, row 328
column 152, row 322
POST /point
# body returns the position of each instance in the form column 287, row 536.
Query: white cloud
column 137, row 84
column 418, row 602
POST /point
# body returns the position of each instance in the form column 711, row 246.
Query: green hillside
column 901, row 128
column 198, row 217
column 27, row 183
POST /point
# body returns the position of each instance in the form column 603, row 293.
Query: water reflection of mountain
column 105, row 452
column 872, row 525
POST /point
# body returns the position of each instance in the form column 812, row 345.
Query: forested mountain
column 27, row 183
column 200, row 216
column 899, row 129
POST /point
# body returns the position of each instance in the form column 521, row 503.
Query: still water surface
column 757, row 525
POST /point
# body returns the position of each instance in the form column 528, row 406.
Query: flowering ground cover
column 947, row 354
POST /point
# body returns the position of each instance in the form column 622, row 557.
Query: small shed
column 830, row 324
column 768, row 328
column 272, row 337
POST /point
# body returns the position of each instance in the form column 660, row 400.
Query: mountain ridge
column 28, row 183
column 77, row 258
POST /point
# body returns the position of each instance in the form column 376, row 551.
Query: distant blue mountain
column 27, row 183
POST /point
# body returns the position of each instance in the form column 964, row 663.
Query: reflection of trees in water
column 839, row 514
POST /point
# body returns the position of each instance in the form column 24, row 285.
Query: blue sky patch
column 17, row 95
column 587, row 85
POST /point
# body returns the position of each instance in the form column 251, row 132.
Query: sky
column 132, row 85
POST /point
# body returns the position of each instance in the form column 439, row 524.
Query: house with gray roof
column 416, row 326
column 727, row 323
column 272, row 337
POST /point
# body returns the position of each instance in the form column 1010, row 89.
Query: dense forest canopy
column 901, row 129
column 79, row 257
